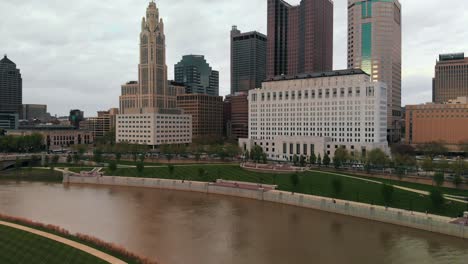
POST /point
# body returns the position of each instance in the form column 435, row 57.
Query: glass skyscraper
column 374, row 45
column 197, row 75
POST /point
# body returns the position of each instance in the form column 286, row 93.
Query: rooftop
column 452, row 56
column 5, row 60
column 318, row 75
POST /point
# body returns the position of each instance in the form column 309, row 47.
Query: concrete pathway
column 99, row 254
column 448, row 197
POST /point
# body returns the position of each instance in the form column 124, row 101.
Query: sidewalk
column 84, row 248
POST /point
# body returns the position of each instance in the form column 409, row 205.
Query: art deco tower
column 150, row 93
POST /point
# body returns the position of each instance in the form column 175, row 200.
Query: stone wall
column 432, row 223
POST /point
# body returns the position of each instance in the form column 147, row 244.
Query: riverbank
column 32, row 174
column 422, row 221
column 30, row 241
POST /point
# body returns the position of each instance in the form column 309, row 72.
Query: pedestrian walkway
column 94, row 252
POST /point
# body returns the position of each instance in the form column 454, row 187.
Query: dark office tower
column 248, row 60
column 197, row 75
column 11, row 87
column 76, row 116
column 300, row 38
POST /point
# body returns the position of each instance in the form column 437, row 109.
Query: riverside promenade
column 427, row 222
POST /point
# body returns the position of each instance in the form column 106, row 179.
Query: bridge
column 8, row 161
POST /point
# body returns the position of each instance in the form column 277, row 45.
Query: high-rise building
column 300, row 38
column 75, row 117
column 318, row 113
column 11, row 87
column 104, row 123
column 207, row 115
column 451, row 78
column 438, row 122
column 148, row 113
column 248, row 60
column 239, row 115
column 374, row 45
column 197, row 75
column 32, row 112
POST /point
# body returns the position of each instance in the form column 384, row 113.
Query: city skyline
column 62, row 66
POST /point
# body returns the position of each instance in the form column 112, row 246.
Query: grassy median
column 18, row 246
column 32, row 174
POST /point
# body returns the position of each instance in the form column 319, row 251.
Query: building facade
column 197, row 75
column 374, row 45
column 300, row 38
column 104, row 123
column 155, row 129
column 75, row 117
column 248, row 60
column 434, row 122
column 148, row 113
column 207, row 115
column 57, row 137
column 318, row 113
column 451, row 78
column 9, row 121
column 11, row 88
column 239, row 125
column 32, row 112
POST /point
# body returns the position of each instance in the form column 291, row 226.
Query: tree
column 403, row 150
column 118, row 156
column 256, row 153
column 337, row 186
column 433, row 149
column 312, row 159
column 387, row 194
column 171, row 169
column 457, row 181
column 97, row 155
column 302, row 161
column 134, row 156
column 69, row 158
column 294, row 178
column 436, row 198
column 326, row 160
column 264, row 158
column 201, row 173
column 377, row 157
column 341, row 156
column 140, row 168
column 427, row 165
column 142, row 157
column 112, row 166
column 400, row 172
column 319, row 160
column 46, row 161
column 443, row 165
column 55, row 159
column 439, row 178
column 76, row 158
column 295, row 159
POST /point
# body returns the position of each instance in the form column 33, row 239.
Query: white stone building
column 154, row 129
column 318, row 113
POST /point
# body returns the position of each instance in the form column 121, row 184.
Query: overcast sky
column 76, row 54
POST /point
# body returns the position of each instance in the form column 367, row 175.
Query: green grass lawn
column 417, row 186
column 315, row 183
column 17, row 246
column 26, row 174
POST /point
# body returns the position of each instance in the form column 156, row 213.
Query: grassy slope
column 17, row 246
column 315, row 183
column 26, row 174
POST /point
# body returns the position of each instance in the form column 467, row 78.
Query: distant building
column 451, row 77
column 300, row 38
column 239, row 121
column 104, row 123
column 148, row 113
column 248, row 60
column 57, row 137
column 206, row 112
column 33, row 112
column 318, row 113
column 197, row 75
column 75, row 117
column 11, row 94
column 434, row 122
column 227, row 126
column 9, row 121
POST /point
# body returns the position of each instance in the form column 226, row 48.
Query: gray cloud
column 76, row 54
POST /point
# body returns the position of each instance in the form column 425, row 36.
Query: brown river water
column 183, row 228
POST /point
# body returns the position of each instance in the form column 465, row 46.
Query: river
column 184, row 228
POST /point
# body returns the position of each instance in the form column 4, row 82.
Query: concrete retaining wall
column 432, row 223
